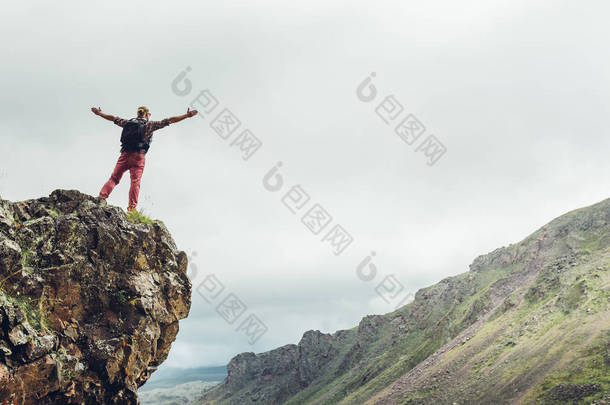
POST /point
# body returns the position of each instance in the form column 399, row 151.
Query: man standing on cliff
column 135, row 141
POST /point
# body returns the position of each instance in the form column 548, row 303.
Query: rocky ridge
column 527, row 324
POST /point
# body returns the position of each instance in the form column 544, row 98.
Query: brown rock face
column 89, row 301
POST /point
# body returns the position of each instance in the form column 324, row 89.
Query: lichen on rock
column 89, row 301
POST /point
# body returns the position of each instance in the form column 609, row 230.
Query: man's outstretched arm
column 98, row 111
column 177, row 118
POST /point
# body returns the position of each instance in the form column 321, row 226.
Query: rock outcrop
column 528, row 324
column 89, row 301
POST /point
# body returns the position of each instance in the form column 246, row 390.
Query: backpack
column 133, row 135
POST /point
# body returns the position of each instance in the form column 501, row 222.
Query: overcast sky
column 516, row 91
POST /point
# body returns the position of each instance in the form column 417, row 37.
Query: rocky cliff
column 89, row 301
column 527, row 324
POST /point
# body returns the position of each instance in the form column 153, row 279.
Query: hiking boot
column 102, row 201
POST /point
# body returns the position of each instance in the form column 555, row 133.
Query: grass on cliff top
column 139, row 217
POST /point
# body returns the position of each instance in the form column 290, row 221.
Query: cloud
column 517, row 92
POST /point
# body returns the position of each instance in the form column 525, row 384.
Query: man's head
column 143, row 112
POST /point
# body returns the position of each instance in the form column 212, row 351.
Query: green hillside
column 528, row 323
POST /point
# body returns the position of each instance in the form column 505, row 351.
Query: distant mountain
column 166, row 377
column 528, row 324
column 180, row 394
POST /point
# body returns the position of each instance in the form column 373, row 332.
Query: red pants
column 134, row 162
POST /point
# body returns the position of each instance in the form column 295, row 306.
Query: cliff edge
column 89, row 301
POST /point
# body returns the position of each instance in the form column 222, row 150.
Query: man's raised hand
column 96, row 111
column 190, row 113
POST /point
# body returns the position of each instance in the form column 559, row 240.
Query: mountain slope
column 529, row 323
column 89, row 301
